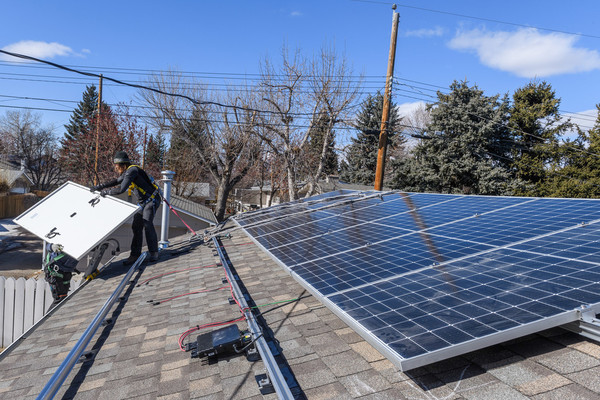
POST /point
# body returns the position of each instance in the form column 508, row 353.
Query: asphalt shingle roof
column 137, row 354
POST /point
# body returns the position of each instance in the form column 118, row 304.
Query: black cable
column 91, row 74
column 479, row 18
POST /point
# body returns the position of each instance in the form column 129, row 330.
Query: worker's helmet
column 121, row 158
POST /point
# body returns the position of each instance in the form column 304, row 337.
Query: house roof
column 193, row 209
column 11, row 176
column 137, row 354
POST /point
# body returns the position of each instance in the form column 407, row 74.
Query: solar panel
column 76, row 218
column 424, row 277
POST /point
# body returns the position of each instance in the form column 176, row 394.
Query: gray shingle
column 138, row 355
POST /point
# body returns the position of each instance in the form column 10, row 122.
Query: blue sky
column 500, row 46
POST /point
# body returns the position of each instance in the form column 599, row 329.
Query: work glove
column 92, row 275
column 56, row 248
column 104, row 192
column 95, row 188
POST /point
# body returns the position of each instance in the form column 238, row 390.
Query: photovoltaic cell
column 424, row 277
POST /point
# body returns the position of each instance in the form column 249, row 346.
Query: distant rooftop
column 193, row 208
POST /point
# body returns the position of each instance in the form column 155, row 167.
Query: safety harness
column 50, row 264
column 58, row 270
column 142, row 192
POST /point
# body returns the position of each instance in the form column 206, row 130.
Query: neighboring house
column 253, row 198
column 250, row 199
column 332, row 182
column 200, row 216
column 137, row 354
column 200, row 192
column 16, row 177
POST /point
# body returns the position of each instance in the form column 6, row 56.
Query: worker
column 148, row 194
column 58, row 270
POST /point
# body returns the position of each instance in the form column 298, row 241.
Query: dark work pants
column 143, row 221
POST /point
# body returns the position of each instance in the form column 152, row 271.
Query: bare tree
column 296, row 96
column 220, row 136
column 24, row 136
column 414, row 124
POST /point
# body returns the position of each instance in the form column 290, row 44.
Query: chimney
column 23, row 164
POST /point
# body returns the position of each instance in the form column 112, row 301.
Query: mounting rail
column 588, row 324
column 274, row 373
column 56, row 381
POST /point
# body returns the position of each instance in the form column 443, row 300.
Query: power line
column 108, row 78
column 480, row 18
column 187, row 74
column 183, row 96
column 194, row 101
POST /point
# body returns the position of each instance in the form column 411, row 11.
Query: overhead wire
column 137, row 86
column 194, row 101
column 418, row 88
column 479, row 18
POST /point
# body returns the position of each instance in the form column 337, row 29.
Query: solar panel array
column 424, row 277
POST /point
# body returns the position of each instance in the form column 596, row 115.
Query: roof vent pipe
column 164, row 229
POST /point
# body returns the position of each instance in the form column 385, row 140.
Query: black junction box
column 216, row 342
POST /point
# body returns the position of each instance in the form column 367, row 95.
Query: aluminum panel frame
column 563, row 318
column 76, row 218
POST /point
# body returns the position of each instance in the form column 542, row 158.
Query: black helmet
column 121, row 158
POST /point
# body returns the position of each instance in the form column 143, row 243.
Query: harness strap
column 50, row 260
column 139, row 189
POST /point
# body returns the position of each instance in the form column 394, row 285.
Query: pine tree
column 156, row 152
column 578, row 173
column 465, row 149
column 362, row 153
column 536, row 126
column 113, row 132
column 79, row 122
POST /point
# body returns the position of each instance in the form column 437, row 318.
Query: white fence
column 22, row 304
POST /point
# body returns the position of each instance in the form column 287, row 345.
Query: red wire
column 215, row 324
column 175, row 212
column 232, row 294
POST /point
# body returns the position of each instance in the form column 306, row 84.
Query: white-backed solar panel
column 424, row 277
column 75, row 218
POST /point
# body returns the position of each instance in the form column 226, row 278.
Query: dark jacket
column 143, row 185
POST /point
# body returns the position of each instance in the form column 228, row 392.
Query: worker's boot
column 130, row 260
column 153, row 255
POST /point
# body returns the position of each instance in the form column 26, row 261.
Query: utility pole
column 144, row 151
column 98, row 130
column 387, row 99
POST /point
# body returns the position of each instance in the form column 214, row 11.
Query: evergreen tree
column 362, row 153
column 113, row 132
column 536, row 126
column 79, row 122
column 578, row 174
column 465, row 148
column 187, row 140
column 156, row 152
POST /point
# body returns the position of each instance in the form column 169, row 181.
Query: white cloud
column 527, row 52
column 296, row 14
column 406, row 109
column 36, row 49
column 423, row 33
